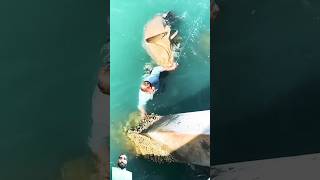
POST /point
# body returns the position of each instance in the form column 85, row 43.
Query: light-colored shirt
column 120, row 174
column 153, row 78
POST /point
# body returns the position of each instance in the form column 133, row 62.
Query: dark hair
column 145, row 83
column 122, row 154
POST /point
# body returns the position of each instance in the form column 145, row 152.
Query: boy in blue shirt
column 150, row 85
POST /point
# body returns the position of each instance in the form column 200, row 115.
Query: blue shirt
column 153, row 78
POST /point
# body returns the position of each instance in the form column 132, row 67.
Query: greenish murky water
column 187, row 89
column 266, row 79
column 49, row 57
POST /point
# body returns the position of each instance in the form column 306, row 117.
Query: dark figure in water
column 171, row 20
column 150, row 85
column 214, row 10
column 104, row 72
column 169, row 17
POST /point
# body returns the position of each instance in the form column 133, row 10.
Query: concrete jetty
column 185, row 135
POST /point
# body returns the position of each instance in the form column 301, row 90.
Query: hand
column 173, row 67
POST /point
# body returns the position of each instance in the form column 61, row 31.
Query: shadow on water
column 286, row 126
column 266, row 79
column 197, row 102
column 48, row 65
column 163, row 171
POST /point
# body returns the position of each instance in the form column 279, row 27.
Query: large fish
column 157, row 41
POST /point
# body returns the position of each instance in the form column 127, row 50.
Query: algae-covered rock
column 141, row 144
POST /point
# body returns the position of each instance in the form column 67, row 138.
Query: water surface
column 266, row 79
column 187, row 89
column 49, row 57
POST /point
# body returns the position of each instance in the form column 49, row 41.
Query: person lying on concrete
column 150, row 85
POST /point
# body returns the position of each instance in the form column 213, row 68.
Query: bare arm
column 171, row 68
column 143, row 99
column 142, row 112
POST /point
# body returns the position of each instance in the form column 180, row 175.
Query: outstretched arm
column 143, row 112
column 159, row 69
column 171, row 68
column 143, row 99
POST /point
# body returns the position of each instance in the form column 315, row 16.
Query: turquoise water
column 187, row 89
